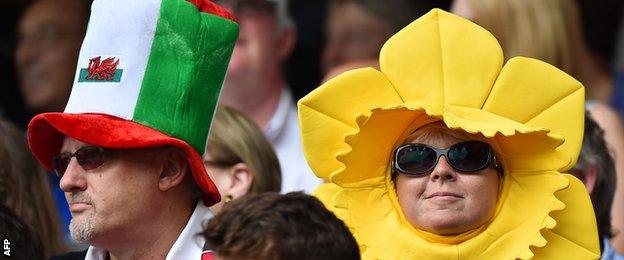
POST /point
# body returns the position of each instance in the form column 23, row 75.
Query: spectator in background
column 280, row 227
column 11, row 103
column 255, row 83
column 47, row 51
column 596, row 169
column 356, row 30
column 23, row 241
column 24, row 189
column 239, row 158
column 550, row 31
column 547, row 30
column 600, row 20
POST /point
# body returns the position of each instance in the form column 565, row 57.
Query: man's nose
column 443, row 171
column 73, row 178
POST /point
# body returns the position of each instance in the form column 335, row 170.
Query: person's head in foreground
column 128, row 145
column 24, row 188
column 275, row 226
column 239, row 158
column 447, row 152
column 595, row 167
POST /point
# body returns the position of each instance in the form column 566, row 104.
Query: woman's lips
column 443, row 195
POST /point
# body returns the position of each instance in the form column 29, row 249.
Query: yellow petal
column 328, row 113
column 442, row 58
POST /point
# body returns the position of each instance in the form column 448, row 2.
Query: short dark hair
column 22, row 241
column 274, row 226
column 595, row 153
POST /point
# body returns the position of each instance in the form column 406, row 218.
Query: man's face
column 256, row 53
column 353, row 35
column 112, row 199
column 47, row 52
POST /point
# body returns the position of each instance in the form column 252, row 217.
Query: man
column 47, row 51
column 255, row 84
column 596, row 168
column 356, row 30
column 128, row 146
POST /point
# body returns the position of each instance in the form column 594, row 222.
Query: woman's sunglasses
column 88, row 157
column 420, row 159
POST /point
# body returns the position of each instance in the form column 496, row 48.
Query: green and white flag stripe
column 173, row 59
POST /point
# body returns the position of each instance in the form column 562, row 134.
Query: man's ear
column 589, row 177
column 174, row 169
column 286, row 43
column 241, row 179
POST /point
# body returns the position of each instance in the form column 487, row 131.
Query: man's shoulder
column 72, row 255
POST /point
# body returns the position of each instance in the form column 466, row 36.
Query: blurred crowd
column 284, row 51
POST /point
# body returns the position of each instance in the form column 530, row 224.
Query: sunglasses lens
column 469, row 156
column 90, row 157
column 416, row 159
column 60, row 163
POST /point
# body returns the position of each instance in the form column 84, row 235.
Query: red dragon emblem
column 102, row 70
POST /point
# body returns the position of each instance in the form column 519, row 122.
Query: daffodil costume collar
column 445, row 68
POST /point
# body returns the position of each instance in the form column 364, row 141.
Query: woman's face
column 446, row 201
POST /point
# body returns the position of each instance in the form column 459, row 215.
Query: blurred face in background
column 353, row 35
column 263, row 45
column 463, row 9
column 50, row 33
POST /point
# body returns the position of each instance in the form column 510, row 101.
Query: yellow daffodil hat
column 444, row 68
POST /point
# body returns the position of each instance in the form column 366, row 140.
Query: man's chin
column 82, row 229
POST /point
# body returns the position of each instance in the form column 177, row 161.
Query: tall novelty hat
column 445, row 68
column 149, row 74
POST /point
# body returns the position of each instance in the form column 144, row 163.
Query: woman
column 551, row 31
column 447, row 154
column 446, row 182
column 238, row 157
column 24, row 189
column 546, row 30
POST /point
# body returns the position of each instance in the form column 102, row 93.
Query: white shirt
column 189, row 244
column 283, row 133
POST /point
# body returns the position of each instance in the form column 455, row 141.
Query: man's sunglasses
column 88, row 157
column 420, row 159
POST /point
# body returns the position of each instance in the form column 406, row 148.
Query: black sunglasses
column 88, row 157
column 420, row 159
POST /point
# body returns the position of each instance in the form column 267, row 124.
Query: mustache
column 79, row 198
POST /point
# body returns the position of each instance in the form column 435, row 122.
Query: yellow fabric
column 443, row 67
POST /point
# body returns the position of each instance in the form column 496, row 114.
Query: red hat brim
column 46, row 133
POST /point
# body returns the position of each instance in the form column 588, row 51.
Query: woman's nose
column 443, row 171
